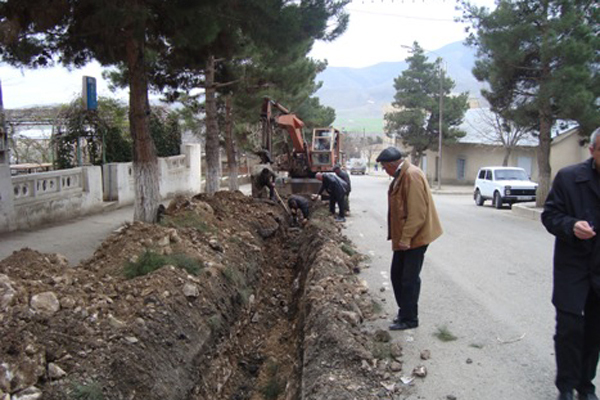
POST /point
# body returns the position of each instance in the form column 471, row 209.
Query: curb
column 527, row 210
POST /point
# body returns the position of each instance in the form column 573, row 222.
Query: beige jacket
column 412, row 217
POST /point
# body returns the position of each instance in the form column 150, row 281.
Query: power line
column 393, row 15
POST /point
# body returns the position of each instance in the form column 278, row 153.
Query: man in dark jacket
column 263, row 177
column 300, row 209
column 343, row 175
column 572, row 214
column 337, row 190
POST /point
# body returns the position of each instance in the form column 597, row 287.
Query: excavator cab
column 325, row 149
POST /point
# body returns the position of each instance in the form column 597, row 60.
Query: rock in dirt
column 45, row 303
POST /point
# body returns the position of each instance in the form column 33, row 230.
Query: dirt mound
column 221, row 300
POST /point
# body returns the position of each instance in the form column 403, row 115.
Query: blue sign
column 90, row 99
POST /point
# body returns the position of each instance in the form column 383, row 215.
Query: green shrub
column 382, row 351
column 215, row 322
column 150, row 261
column 234, row 276
column 188, row 219
column 346, row 248
column 275, row 385
column 87, row 391
column 444, row 334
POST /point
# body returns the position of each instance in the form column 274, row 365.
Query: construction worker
column 346, row 178
column 263, row 177
column 300, row 209
column 337, row 190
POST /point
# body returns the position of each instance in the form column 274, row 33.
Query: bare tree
column 495, row 129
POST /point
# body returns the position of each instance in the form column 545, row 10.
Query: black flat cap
column 389, row 154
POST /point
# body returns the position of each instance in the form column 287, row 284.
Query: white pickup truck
column 503, row 185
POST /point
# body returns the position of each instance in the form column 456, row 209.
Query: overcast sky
column 377, row 30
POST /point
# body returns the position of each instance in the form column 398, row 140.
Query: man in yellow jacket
column 413, row 224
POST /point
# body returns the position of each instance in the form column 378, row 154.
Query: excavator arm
column 287, row 120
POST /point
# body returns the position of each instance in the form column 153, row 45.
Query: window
column 460, row 168
column 488, row 175
column 481, row 174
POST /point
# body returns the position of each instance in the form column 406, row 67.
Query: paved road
column 487, row 280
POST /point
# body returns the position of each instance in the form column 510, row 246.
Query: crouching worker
column 337, row 190
column 263, row 177
column 300, row 210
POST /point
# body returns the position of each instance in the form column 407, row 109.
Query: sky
column 377, row 31
column 379, row 28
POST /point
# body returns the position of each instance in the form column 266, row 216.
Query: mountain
column 360, row 96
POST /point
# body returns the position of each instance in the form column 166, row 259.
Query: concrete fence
column 27, row 201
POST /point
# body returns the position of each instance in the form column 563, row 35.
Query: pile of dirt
column 242, row 307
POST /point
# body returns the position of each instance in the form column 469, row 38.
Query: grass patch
column 346, row 248
column 274, row 385
column 476, row 345
column 245, row 295
column 234, row 239
column 87, row 391
column 150, row 261
column 188, row 219
column 234, row 276
column 382, row 351
column 377, row 307
column 215, row 323
column 444, row 334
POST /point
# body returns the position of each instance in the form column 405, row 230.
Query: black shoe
column 586, row 396
column 403, row 325
column 338, row 219
column 565, row 396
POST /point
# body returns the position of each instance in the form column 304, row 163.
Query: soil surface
column 220, row 300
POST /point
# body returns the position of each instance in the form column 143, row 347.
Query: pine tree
column 540, row 59
column 417, row 100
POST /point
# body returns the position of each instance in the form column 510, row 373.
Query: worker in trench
column 337, row 190
column 346, row 178
column 300, row 210
column 263, row 177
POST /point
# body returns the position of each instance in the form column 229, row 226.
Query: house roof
column 478, row 126
column 480, row 130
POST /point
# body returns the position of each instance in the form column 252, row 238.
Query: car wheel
column 497, row 200
column 478, row 199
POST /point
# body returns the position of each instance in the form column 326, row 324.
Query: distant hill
column 361, row 95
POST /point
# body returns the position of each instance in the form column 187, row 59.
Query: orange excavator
column 302, row 161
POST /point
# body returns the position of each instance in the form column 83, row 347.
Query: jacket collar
column 586, row 173
column 402, row 168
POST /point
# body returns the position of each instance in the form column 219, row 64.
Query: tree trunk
column 213, row 173
column 230, row 146
column 506, row 156
column 543, row 156
column 145, row 163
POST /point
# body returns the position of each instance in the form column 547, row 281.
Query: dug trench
column 221, row 300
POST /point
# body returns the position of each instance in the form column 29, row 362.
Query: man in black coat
column 572, row 214
column 337, row 190
column 300, row 209
column 343, row 175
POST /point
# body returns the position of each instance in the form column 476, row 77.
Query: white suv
column 503, row 185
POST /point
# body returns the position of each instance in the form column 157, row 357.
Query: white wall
column 53, row 196
column 34, row 199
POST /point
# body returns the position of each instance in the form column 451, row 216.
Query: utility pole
column 441, row 134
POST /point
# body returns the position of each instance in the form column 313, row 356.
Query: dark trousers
column 577, row 346
column 406, row 268
column 339, row 199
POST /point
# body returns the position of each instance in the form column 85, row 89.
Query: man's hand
column 314, row 196
column 583, row 230
column 403, row 246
